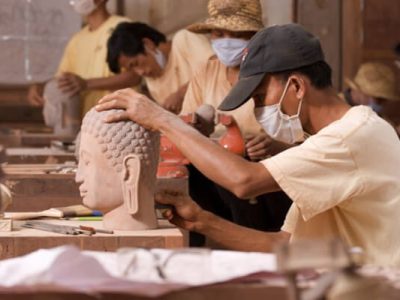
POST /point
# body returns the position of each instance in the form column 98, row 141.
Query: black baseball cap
column 273, row 49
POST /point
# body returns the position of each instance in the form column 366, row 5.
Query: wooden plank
column 34, row 190
column 38, row 156
column 21, row 240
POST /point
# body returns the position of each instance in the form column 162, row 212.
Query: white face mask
column 158, row 56
column 83, row 7
column 284, row 128
column 229, row 51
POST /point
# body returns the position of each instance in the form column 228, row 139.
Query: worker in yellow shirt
column 167, row 66
column 343, row 179
column 83, row 68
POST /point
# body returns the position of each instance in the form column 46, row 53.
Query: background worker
column 167, row 66
column 375, row 85
column 83, row 67
column 345, row 170
column 231, row 24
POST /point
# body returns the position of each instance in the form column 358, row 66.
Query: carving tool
column 60, row 212
column 62, row 229
column 94, row 230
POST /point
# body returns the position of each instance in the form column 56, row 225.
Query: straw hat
column 375, row 80
column 232, row 15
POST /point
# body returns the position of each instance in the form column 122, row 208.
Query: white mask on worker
column 284, row 128
column 83, row 7
column 158, row 56
column 229, row 51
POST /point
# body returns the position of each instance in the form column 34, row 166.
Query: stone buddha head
column 117, row 171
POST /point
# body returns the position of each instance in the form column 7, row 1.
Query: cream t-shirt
column 210, row 86
column 85, row 56
column 188, row 52
column 345, row 182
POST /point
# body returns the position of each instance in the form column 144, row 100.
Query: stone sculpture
column 117, row 171
column 61, row 111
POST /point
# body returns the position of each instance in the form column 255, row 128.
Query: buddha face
column 100, row 183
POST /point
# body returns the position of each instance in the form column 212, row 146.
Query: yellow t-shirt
column 345, row 182
column 85, row 56
column 210, row 86
column 188, row 52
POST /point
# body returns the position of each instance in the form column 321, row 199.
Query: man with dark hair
column 230, row 25
column 167, row 66
column 343, row 179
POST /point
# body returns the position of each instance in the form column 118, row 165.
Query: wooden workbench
column 35, row 190
column 24, row 138
column 21, row 240
column 38, row 156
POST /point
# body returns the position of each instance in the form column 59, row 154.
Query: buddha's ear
column 131, row 172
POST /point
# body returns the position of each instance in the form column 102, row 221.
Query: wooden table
column 21, row 240
column 231, row 291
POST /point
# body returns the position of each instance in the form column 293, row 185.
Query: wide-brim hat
column 232, row 15
column 375, row 80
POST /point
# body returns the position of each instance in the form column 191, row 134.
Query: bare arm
column 119, row 81
column 236, row 237
column 71, row 83
column 188, row 215
column 245, row 179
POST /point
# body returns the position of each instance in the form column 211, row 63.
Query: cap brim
column 241, row 92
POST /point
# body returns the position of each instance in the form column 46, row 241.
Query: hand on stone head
column 185, row 214
column 137, row 107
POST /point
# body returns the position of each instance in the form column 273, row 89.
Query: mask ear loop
column 299, row 109
column 283, row 96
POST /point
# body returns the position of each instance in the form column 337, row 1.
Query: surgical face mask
column 158, row 56
column 279, row 126
column 375, row 106
column 83, row 7
column 229, row 51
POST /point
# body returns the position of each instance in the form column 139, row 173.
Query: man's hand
column 138, row 108
column 71, row 84
column 35, row 94
column 262, row 145
column 173, row 102
column 186, row 213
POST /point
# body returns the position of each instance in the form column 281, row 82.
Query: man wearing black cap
column 343, row 179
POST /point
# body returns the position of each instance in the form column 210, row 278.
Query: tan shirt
column 345, row 182
column 210, row 86
column 188, row 52
column 85, row 56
